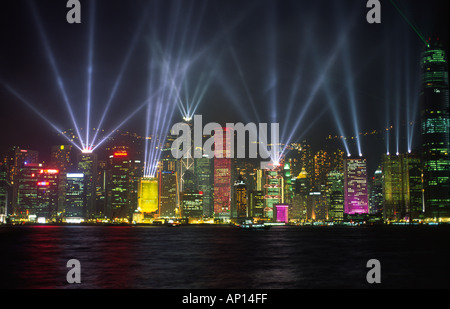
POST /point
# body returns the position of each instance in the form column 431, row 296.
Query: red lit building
column 222, row 175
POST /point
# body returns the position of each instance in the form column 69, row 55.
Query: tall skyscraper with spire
column 435, row 132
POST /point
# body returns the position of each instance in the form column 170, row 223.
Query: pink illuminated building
column 282, row 213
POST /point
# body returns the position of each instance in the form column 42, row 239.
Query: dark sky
column 272, row 54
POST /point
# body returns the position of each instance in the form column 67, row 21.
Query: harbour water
column 222, row 257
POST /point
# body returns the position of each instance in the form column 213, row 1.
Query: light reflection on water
column 213, row 257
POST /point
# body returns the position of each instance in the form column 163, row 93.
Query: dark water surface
column 217, row 257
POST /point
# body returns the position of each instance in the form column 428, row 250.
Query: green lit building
column 273, row 191
column 435, row 125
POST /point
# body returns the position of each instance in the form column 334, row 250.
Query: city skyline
column 297, row 79
column 327, row 81
column 224, row 144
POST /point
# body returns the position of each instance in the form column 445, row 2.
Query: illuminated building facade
column 191, row 204
column 62, row 158
column 185, row 168
column 16, row 160
column 47, row 194
column 168, row 194
column 168, row 162
column 241, row 199
column 435, row 133
column 75, row 203
column 355, row 186
column 273, row 191
column 27, row 191
column 121, row 185
column 288, row 184
column 301, row 192
column 376, row 193
column 222, row 175
column 335, row 195
column 204, row 176
column 282, row 213
column 88, row 164
column 402, row 187
column 148, row 198
column 101, row 188
column 256, row 204
column 4, row 192
column 316, row 206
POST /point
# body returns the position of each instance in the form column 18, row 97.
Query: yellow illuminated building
column 148, row 199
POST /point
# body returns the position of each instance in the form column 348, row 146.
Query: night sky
column 281, row 56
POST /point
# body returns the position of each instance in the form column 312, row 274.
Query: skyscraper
column 393, row 200
column 87, row 164
column 4, row 192
column 121, row 185
column 301, row 195
column 148, row 198
column 282, row 213
column 273, row 191
column 204, row 176
column 355, row 186
column 47, row 193
column 376, row 193
column 335, row 195
column 62, row 159
column 16, row 160
column 402, row 187
column 222, row 174
column 185, row 168
column 168, row 194
column 435, row 132
column 75, row 203
column 256, row 204
column 241, row 199
column 27, row 191
column 191, row 204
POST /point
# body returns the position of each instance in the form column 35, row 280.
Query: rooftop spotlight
column 87, row 150
column 187, row 118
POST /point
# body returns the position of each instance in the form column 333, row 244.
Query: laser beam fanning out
column 51, row 58
column 34, row 109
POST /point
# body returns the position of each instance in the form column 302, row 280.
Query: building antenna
column 409, row 23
